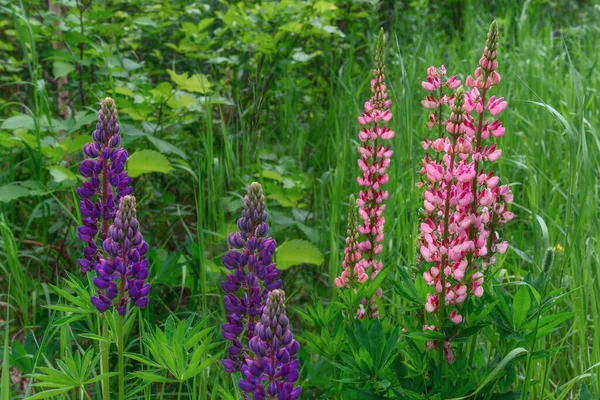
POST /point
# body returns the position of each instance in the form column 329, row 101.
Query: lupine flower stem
column 104, row 359
column 121, row 364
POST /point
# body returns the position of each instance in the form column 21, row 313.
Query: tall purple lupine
column 109, row 215
column 108, row 182
column 272, row 372
column 121, row 275
column 253, row 272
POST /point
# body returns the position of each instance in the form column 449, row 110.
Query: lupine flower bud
column 107, row 183
column 272, row 372
column 252, row 271
column 121, row 275
column 464, row 205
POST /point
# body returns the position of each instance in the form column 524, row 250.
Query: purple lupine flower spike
column 107, row 183
column 252, row 271
column 273, row 371
column 122, row 273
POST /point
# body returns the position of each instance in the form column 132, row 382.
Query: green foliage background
column 213, row 95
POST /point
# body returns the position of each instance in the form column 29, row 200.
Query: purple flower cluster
column 251, row 263
column 108, row 182
column 273, row 371
column 121, row 275
column 109, row 215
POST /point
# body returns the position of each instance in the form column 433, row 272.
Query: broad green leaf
column 12, row 192
column 205, row 23
column 130, row 64
column 323, row 6
column 145, row 21
column 60, row 173
column 60, row 69
column 18, row 122
column 146, row 161
column 521, row 305
column 166, row 147
column 270, row 174
column 197, row 83
column 124, row 91
column 162, row 90
column 181, row 101
column 296, row 252
column 137, row 113
column 178, row 79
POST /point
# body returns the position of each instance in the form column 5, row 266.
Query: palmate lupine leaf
column 76, row 305
column 177, row 353
column 75, row 371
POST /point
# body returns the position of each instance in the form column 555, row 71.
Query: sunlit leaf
column 297, row 252
column 146, row 161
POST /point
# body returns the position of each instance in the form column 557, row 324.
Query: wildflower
column 272, row 372
column 121, row 274
column 464, row 204
column 373, row 163
column 107, row 183
column 353, row 273
column 253, row 271
column 436, row 82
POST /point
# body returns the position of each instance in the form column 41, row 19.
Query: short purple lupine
column 253, row 271
column 108, row 182
column 272, row 372
column 122, row 273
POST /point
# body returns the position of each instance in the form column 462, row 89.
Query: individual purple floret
column 108, row 182
column 273, row 371
column 253, row 272
column 122, row 273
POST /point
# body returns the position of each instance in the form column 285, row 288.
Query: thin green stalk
column 121, row 369
column 104, row 360
column 179, row 391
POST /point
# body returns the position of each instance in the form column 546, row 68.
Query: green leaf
column 296, row 252
column 178, row 79
column 148, row 376
column 60, row 69
column 197, row 83
column 180, row 101
column 49, row 393
column 124, row 91
column 270, row 174
column 145, row 161
column 166, row 147
column 145, row 21
column 509, row 357
column 521, row 305
column 162, row 90
column 60, row 173
column 18, row 122
column 12, row 192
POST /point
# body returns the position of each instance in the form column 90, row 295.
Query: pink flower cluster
column 373, row 162
column 361, row 258
column 436, row 82
column 352, row 274
column 464, row 204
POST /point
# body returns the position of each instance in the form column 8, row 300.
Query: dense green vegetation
column 215, row 95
